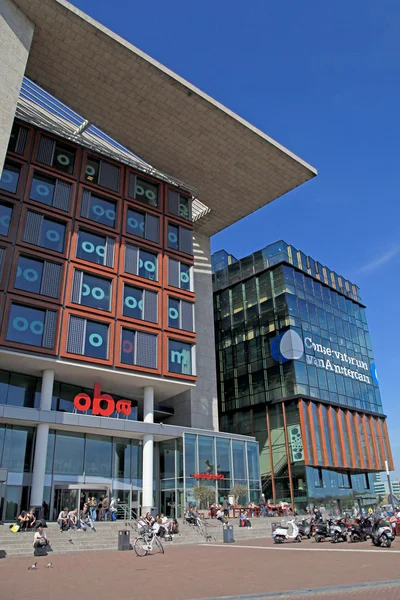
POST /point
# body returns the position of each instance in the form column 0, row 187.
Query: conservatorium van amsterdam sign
column 290, row 346
column 326, row 363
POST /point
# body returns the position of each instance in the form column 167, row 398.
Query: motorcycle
column 281, row 533
column 382, row 534
column 322, row 530
column 338, row 531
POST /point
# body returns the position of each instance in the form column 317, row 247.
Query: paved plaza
column 257, row 569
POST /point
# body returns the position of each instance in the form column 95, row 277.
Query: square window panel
column 26, row 325
column 52, row 235
column 5, row 218
column 96, row 340
column 91, row 247
column 42, row 189
column 29, row 275
column 133, row 302
column 95, row 292
column 180, row 357
column 10, row 177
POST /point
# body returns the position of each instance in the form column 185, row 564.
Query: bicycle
column 143, row 544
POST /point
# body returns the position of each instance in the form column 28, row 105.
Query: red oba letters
column 103, row 404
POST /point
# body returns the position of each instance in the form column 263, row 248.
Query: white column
column 148, row 450
column 42, row 436
column 148, row 405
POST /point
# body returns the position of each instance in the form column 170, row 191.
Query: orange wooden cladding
column 312, row 427
column 288, row 456
column 366, row 438
column 271, row 460
column 322, row 436
column 386, row 438
column 334, row 449
column 374, row 449
column 347, row 420
column 380, row 442
column 302, row 407
column 341, row 434
column 358, row 440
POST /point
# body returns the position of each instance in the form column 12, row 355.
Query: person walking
column 225, row 507
column 262, row 504
column 106, row 508
column 93, row 508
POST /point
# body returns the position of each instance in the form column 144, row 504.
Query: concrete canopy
column 171, row 124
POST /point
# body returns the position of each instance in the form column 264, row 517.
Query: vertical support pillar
column 42, row 436
column 148, row 450
column 271, row 458
column 288, row 457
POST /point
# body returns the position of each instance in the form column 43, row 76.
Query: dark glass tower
column 296, row 369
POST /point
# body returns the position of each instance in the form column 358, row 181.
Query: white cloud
column 380, row 260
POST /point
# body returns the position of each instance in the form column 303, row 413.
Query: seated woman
column 221, row 517
column 23, row 521
column 244, row 520
column 40, row 540
column 174, row 527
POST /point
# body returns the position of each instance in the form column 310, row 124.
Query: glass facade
column 289, row 330
column 79, row 461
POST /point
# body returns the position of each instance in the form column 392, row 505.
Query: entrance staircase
column 106, row 536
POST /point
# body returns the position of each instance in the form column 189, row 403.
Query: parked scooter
column 288, row 532
column 305, row 528
column 338, row 531
column 322, row 530
column 382, row 534
column 355, row 532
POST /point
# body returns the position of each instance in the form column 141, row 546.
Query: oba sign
column 102, row 405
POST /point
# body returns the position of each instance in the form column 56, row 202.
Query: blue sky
column 323, row 79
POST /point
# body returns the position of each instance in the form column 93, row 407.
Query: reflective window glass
column 167, row 459
column 253, row 461
column 223, row 447
column 101, row 211
column 91, row 247
column 180, row 357
column 185, row 283
column 173, row 237
column 143, row 225
column 146, row 192
column 239, row 460
column 29, row 275
column 26, row 325
column 206, row 454
column 18, row 449
column 133, row 302
column 64, row 158
column 69, row 454
column 190, row 454
column 121, row 458
column 52, row 235
column 10, row 177
column 5, row 218
column 92, row 169
column 127, row 346
column 98, row 455
column 173, row 313
column 42, row 189
column 96, row 340
column 96, row 292
column 148, row 265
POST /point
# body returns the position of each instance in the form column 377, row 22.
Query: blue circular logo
column 287, row 346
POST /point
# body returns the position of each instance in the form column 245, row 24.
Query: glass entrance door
column 168, row 503
column 65, row 498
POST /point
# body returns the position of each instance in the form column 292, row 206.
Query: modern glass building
column 107, row 353
column 296, row 370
